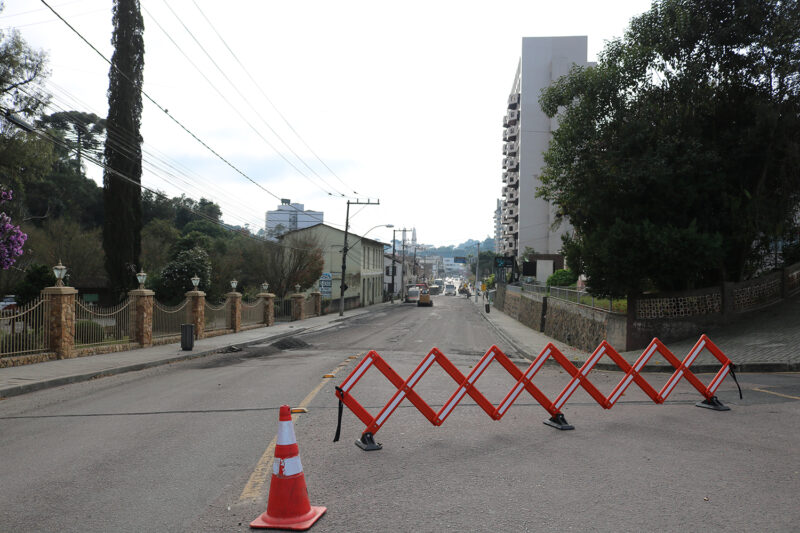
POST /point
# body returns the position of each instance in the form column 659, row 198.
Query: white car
column 449, row 290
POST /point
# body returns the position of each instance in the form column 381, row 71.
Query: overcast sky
column 400, row 102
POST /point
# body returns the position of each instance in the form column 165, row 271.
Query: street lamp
column 265, row 286
column 59, row 270
column 343, row 285
column 195, row 281
column 141, row 277
column 297, row 288
column 234, row 283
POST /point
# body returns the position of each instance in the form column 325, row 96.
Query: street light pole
column 477, row 263
column 394, row 289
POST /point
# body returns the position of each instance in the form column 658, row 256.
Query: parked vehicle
column 436, row 289
column 425, row 298
column 412, row 294
column 449, row 290
column 8, row 303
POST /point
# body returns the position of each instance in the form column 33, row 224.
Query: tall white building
column 498, row 228
column 527, row 220
column 291, row 217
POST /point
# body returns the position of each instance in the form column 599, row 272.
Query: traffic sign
column 325, row 283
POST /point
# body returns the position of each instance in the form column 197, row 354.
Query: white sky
column 402, row 100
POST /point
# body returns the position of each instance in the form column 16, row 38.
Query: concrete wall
column 584, row 327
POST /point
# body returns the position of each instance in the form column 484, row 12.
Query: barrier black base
column 714, row 404
column 559, row 422
column 367, row 443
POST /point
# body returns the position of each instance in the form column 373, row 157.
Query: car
column 449, row 290
column 8, row 303
column 412, row 294
column 425, row 298
column 436, row 289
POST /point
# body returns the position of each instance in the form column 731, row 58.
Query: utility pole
column 403, row 270
column 343, row 285
column 477, row 263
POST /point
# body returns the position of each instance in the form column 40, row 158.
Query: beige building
column 364, row 272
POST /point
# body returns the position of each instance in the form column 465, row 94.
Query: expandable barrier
column 466, row 384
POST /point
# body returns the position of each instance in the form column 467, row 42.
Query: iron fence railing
column 283, row 309
column 217, row 316
column 25, row 330
column 102, row 325
column 253, row 312
column 167, row 319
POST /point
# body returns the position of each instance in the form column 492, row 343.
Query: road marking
column 777, row 394
column 258, row 479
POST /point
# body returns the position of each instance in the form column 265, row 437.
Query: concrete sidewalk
column 764, row 341
column 28, row 378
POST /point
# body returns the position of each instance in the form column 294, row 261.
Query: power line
column 243, row 97
column 230, row 104
column 264, row 94
column 163, row 110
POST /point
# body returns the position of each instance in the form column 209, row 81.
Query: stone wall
column 584, row 327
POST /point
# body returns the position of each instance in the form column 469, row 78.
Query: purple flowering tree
column 11, row 238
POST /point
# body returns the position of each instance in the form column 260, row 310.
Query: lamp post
column 343, row 285
column 195, row 281
column 265, row 286
column 234, row 283
column 59, row 271
column 141, row 277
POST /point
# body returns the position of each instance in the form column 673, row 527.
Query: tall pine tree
column 123, row 150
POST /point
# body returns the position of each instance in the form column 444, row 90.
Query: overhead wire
column 268, row 99
column 166, row 112
column 243, row 97
column 128, row 150
column 59, row 142
column 233, row 107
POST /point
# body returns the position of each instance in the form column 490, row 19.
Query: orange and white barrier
column 288, row 506
column 524, row 381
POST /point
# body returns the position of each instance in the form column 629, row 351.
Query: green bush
column 20, row 340
column 87, row 332
column 562, row 278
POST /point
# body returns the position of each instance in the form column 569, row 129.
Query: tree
column 175, row 279
column 123, row 149
column 681, row 147
column 24, row 157
column 80, row 132
column 11, row 238
column 296, row 260
column 37, row 277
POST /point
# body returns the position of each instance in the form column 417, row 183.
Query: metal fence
column 216, row 316
column 25, row 330
column 167, row 319
column 589, row 300
column 253, row 312
column 283, row 309
column 539, row 288
column 102, row 325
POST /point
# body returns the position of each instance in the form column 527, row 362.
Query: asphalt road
column 186, row 447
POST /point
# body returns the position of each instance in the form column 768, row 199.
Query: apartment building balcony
column 511, row 163
column 511, row 194
column 512, row 116
column 511, row 178
column 513, row 100
column 510, row 133
column 510, row 148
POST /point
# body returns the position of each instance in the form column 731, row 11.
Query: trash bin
column 488, row 306
column 187, row 336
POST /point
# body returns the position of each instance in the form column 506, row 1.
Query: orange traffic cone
column 288, row 506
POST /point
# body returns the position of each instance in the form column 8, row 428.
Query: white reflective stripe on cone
column 286, row 433
column 290, row 466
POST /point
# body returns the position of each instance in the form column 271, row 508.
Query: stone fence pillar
column 197, row 312
column 61, row 321
column 269, row 307
column 317, row 298
column 298, row 309
column 142, row 316
column 234, row 303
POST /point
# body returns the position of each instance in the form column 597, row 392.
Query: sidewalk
column 764, row 341
column 28, row 378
